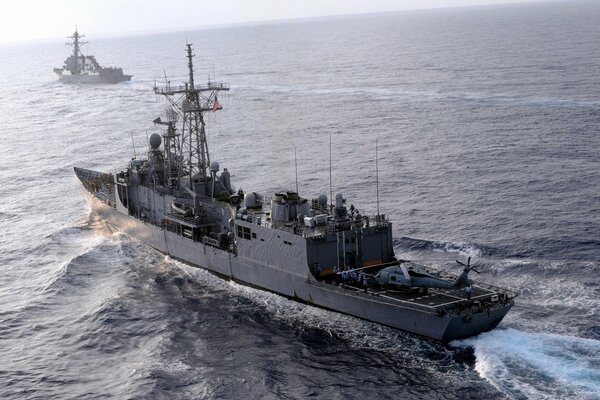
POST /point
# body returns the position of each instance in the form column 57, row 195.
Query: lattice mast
column 190, row 102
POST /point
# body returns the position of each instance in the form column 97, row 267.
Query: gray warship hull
column 79, row 68
column 92, row 79
column 315, row 251
column 296, row 282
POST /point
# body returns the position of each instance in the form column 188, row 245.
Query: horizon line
column 149, row 32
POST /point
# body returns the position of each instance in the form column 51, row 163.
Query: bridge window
column 244, row 232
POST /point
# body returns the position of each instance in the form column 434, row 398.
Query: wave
column 374, row 93
column 537, row 365
column 552, row 102
column 76, row 240
column 318, row 322
column 249, row 73
column 75, row 243
column 463, row 248
column 67, row 232
column 74, row 270
column 6, row 216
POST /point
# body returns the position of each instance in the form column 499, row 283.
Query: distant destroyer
column 79, row 68
column 312, row 250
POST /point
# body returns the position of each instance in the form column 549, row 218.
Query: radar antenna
column 330, row 184
column 377, row 174
column 190, row 102
column 296, row 166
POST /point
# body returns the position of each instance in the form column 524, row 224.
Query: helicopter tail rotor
column 463, row 280
column 467, row 265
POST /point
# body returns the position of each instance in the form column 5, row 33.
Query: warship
column 79, row 68
column 314, row 250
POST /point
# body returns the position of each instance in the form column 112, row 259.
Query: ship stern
column 466, row 325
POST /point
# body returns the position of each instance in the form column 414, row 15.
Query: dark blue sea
column 488, row 126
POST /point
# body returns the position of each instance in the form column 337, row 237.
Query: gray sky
column 44, row 19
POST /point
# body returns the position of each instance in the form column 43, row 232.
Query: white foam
column 563, row 289
column 462, row 248
column 538, row 365
column 73, row 242
column 350, row 91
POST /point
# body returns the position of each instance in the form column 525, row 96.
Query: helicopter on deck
column 408, row 275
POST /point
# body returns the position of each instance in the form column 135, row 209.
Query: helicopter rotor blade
column 467, row 265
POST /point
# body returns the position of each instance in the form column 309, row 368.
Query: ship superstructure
column 79, row 68
column 315, row 250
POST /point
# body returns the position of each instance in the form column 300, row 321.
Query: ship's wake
column 404, row 94
column 518, row 363
column 537, row 365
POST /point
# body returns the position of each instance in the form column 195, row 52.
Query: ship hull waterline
column 304, row 289
column 92, row 79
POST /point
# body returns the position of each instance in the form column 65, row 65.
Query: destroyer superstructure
column 315, row 250
column 79, row 68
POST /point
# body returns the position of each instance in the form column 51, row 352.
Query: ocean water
column 488, row 124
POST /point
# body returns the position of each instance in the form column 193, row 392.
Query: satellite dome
column 250, row 200
column 323, row 200
column 155, row 141
column 214, row 166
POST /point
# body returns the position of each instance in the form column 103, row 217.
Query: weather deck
column 438, row 300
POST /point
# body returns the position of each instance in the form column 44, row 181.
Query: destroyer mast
column 186, row 156
column 74, row 67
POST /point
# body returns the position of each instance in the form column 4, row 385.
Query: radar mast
column 76, row 44
column 189, row 102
